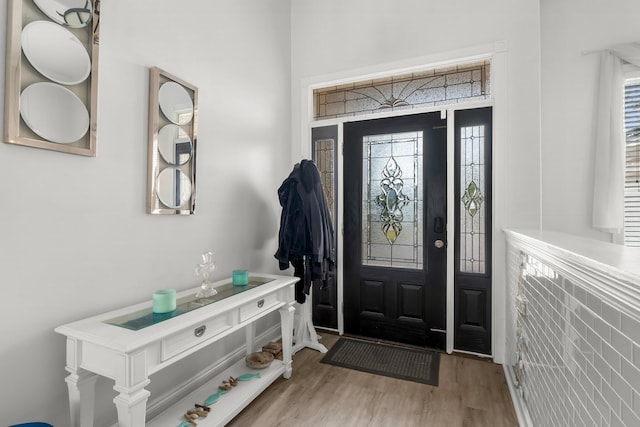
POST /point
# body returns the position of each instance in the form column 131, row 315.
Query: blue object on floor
column 32, row 425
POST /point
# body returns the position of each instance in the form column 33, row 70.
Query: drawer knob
column 199, row 331
column 260, row 303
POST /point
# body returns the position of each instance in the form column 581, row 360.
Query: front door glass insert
column 392, row 202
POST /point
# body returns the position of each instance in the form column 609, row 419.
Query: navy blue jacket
column 306, row 239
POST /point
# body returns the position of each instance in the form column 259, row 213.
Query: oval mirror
column 72, row 13
column 174, row 187
column 176, row 103
column 55, row 52
column 174, row 144
column 54, row 113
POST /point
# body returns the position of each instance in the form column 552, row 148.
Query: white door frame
column 496, row 52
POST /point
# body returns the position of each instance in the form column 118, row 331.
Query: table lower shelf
column 229, row 404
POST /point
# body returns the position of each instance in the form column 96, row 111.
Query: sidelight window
column 323, row 156
column 472, row 200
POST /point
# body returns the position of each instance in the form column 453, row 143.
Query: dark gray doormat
column 421, row 366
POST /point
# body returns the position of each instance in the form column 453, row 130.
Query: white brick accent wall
column 575, row 321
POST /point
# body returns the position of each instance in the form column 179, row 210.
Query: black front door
column 395, row 229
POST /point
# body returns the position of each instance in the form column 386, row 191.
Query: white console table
column 107, row 345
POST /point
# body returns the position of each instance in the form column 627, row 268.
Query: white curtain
column 608, row 192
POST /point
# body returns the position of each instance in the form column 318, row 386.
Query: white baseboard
column 522, row 413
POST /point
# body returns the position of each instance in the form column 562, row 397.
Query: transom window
column 451, row 85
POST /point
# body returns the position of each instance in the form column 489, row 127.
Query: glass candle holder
column 240, row 277
column 164, row 301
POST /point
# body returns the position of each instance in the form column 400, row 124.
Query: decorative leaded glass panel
column 324, row 158
column 392, row 202
column 469, row 82
column 473, row 208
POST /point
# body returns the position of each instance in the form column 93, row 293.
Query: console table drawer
column 184, row 340
column 255, row 307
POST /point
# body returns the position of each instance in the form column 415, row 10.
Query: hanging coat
column 306, row 239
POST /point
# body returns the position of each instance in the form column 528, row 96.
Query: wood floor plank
column 471, row 393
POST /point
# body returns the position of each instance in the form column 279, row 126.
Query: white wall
column 338, row 39
column 569, row 82
column 74, row 236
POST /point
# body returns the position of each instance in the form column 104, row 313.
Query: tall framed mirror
column 173, row 124
column 51, row 82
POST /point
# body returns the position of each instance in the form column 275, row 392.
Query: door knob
column 438, row 244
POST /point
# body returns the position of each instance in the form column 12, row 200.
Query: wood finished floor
column 471, row 393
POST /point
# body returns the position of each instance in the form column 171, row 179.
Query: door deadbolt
column 438, row 244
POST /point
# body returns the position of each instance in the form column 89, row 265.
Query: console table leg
column 250, row 336
column 286, row 322
column 82, row 391
column 132, row 408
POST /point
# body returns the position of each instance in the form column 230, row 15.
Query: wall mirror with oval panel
column 51, row 80
column 173, row 123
